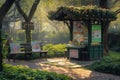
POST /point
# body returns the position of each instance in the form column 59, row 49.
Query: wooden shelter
column 88, row 27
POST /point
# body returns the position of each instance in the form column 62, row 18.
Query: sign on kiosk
column 73, row 53
column 96, row 33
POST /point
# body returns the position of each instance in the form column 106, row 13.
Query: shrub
column 109, row 64
column 22, row 73
column 5, row 47
column 50, row 49
column 55, row 50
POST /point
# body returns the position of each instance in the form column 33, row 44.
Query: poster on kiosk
column 96, row 34
column 80, row 37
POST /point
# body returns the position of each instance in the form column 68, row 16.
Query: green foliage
column 50, row 49
column 4, row 46
column 1, row 2
column 76, row 13
column 21, row 73
column 59, row 47
column 109, row 64
column 55, row 50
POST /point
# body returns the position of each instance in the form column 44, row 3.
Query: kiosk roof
column 82, row 13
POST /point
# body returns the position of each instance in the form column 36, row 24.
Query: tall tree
column 3, row 11
column 27, row 18
column 70, row 27
column 104, row 4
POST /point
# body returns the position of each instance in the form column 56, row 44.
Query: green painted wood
column 96, row 52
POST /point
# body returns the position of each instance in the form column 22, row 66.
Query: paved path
column 76, row 73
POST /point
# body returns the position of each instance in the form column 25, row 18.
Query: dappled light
column 76, row 73
column 59, row 39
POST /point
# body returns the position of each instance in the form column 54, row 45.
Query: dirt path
column 77, row 73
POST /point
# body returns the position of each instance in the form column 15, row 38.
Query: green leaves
column 84, row 12
column 109, row 64
column 55, row 50
column 22, row 73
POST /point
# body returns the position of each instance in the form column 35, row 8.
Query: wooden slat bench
column 12, row 56
column 26, row 50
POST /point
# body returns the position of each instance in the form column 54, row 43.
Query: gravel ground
column 75, row 73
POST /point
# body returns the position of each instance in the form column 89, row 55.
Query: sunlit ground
column 76, row 73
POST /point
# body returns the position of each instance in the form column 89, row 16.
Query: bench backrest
column 25, row 47
column 15, row 48
column 35, row 46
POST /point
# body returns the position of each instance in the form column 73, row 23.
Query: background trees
column 43, row 23
column 44, row 27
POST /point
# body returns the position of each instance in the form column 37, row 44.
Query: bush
column 55, row 50
column 22, row 73
column 50, row 49
column 4, row 46
column 109, row 64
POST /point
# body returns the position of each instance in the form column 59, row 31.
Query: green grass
column 109, row 64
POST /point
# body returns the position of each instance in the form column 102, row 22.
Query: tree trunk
column 105, row 38
column 104, row 4
column 1, row 67
column 27, row 18
column 28, row 34
column 3, row 11
column 71, row 30
column 70, row 27
column 5, row 8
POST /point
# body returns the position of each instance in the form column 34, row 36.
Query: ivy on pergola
column 83, row 12
column 88, row 14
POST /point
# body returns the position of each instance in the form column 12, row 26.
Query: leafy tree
column 27, row 18
column 104, row 4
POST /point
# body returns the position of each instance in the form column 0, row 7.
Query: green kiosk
column 87, row 25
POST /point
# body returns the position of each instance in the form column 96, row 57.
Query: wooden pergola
column 91, row 16
column 83, row 12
